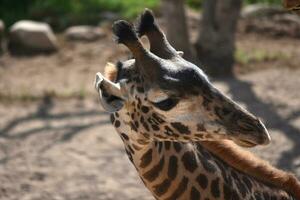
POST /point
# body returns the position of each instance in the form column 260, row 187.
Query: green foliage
column 279, row 2
column 10, row 10
column 61, row 13
column 195, row 4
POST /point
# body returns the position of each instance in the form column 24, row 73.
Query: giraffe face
column 169, row 112
column 168, row 98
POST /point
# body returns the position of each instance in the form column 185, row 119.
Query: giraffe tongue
column 111, row 88
column 110, row 94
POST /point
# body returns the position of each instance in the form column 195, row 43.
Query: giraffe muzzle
column 254, row 134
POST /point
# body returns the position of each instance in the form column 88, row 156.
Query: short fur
column 124, row 32
column 159, row 44
column 249, row 164
column 240, row 159
column 146, row 23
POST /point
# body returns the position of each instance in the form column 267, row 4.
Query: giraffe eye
column 166, row 104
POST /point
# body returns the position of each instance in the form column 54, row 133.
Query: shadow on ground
column 63, row 150
column 43, row 113
column 242, row 91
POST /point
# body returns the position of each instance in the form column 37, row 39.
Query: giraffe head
column 160, row 95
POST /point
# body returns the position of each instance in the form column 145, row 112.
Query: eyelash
column 166, row 104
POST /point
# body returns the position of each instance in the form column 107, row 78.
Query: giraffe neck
column 173, row 170
column 187, row 170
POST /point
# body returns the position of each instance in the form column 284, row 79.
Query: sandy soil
column 56, row 143
column 63, row 150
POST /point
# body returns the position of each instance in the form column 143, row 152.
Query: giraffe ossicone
column 168, row 115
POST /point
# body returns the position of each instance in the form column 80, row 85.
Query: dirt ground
column 56, row 142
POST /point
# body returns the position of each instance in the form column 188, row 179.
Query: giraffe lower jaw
column 111, row 103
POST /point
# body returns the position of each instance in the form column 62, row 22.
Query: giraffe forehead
column 182, row 79
column 179, row 77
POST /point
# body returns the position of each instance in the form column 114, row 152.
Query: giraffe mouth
column 245, row 143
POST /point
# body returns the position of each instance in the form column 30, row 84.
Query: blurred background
column 56, row 142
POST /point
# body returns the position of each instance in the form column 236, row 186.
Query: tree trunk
column 216, row 42
column 177, row 31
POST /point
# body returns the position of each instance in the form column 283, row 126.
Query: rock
column 277, row 25
column 30, row 37
column 2, row 29
column 84, row 33
column 270, row 20
column 261, row 10
column 287, row 19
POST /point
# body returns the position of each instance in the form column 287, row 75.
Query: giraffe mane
column 251, row 165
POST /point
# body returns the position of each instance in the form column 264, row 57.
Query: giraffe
column 180, row 133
